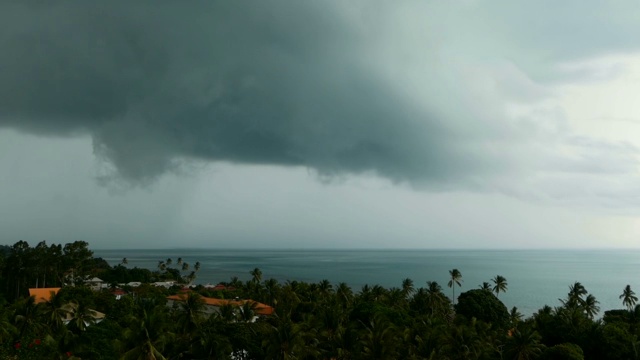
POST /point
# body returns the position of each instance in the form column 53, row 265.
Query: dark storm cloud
column 293, row 83
column 274, row 84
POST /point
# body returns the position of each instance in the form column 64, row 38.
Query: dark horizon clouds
column 415, row 92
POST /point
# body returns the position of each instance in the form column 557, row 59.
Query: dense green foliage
column 311, row 320
column 482, row 305
column 563, row 352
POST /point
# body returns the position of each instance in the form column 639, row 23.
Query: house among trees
column 219, row 287
column 43, row 294
column 71, row 312
column 164, row 284
column 119, row 293
column 215, row 305
column 94, row 283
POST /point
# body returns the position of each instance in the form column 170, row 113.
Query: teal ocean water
column 535, row 277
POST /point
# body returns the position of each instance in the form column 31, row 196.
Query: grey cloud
column 545, row 32
column 285, row 83
column 595, row 157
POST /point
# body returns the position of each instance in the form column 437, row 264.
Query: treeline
column 311, row 321
column 23, row 266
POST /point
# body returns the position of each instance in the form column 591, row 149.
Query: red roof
column 223, row 287
column 260, row 308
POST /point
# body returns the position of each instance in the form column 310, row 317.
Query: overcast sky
column 321, row 124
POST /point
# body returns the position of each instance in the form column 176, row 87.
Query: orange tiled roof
column 42, row 294
column 260, row 308
column 223, row 287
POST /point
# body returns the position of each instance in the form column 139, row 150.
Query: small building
column 118, row 293
column 214, row 305
column 164, row 284
column 219, row 287
column 43, row 294
column 94, row 283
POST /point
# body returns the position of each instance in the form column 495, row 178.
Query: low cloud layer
column 415, row 92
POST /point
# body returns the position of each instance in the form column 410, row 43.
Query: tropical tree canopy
column 321, row 320
column 484, row 306
column 455, row 278
column 500, row 284
column 628, row 297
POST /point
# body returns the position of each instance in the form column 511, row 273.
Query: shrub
column 484, row 306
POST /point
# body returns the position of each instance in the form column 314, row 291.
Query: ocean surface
column 535, row 277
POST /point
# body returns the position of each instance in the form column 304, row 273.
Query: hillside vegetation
column 311, row 320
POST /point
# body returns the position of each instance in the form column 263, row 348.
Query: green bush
column 566, row 351
column 484, row 306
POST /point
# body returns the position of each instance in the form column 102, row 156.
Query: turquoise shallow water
column 535, row 277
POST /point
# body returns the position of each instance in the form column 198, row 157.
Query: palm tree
column 179, row 262
column 161, row 265
column 591, row 307
column 500, row 284
column 485, row 286
column 210, row 342
column 380, row 340
column 395, row 297
column 574, row 297
column 256, row 275
column 197, row 266
column 146, row 350
column 247, row 311
column 344, row 294
column 82, row 316
column 436, row 300
column 55, row 310
column 365, row 292
column 523, row 344
column 465, row 342
column 27, row 316
column 456, row 278
column 228, row 312
column 628, row 297
column 147, row 333
column 7, row 330
column 325, row 289
column 285, row 341
column 190, row 313
column 124, row 261
column 329, row 323
column 191, row 277
column 272, row 287
column 407, row 287
column 515, row 316
column 169, row 261
column 378, row 292
column 235, row 282
column 185, row 266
